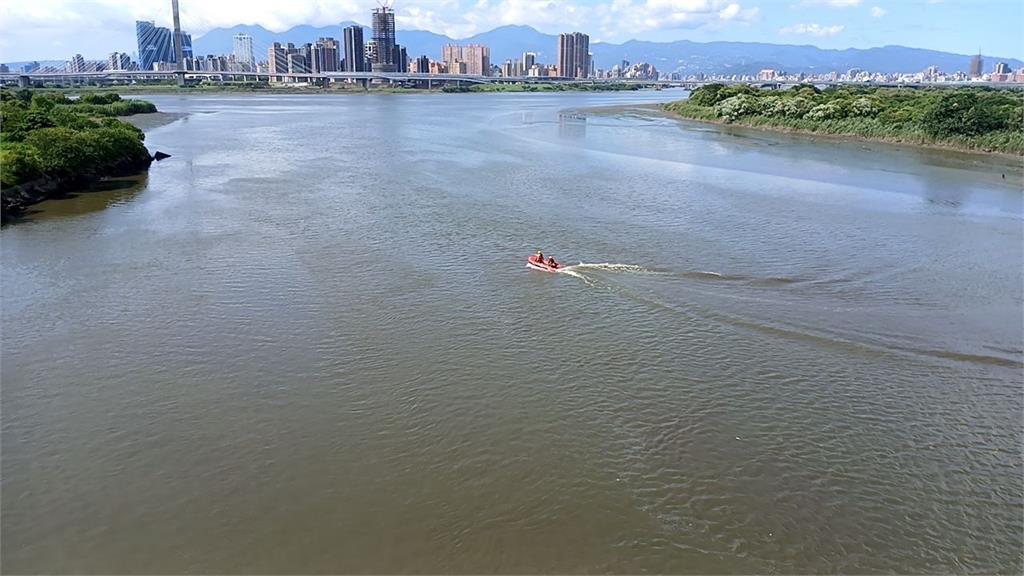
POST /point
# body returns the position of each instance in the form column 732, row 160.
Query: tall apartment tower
column 324, row 56
column 75, row 64
column 400, row 58
column 384, row 36
column 451, row 54
column 474, row 59
column 355, row 52
column 574, row 55
column 277, row 58
column 478, row 59
column 119, row 61
column 529, row 59
column 243, row 52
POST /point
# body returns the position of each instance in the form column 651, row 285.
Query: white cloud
column 624, row 19
column 833, row 3
column 877, row 12
column 812, row 30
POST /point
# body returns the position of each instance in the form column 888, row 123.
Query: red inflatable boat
column 536, row 264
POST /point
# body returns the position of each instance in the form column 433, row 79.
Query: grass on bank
column 968, row 118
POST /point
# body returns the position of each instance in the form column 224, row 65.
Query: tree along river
column 308, row 343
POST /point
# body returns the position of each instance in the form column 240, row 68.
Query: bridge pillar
column 180, row 77
column 24, row 81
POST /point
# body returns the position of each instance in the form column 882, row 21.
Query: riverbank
column 52, row 146
column 833, row 137
column 968, row 120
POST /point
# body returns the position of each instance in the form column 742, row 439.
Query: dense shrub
column 707, row 95
column 827, row 111
column 18, row 163
column 63, row 152
column 46, row 134
column 967, row 117
column 864, row 106
column 735, row 107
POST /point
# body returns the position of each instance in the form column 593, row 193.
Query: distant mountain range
column 683, row 55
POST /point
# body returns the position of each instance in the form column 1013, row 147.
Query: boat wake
column 580, row 270
column 590, row 272
column 608, row 266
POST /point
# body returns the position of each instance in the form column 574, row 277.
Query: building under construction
column 384, row 38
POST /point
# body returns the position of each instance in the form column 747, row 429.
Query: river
column 308, row 343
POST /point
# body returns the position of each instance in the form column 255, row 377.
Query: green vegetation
column 964, row 118
column 524, row 87
column 52, row 142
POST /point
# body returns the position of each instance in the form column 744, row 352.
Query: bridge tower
column 179, row 53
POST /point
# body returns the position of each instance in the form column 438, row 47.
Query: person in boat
column 540, row 257
column 551, row 262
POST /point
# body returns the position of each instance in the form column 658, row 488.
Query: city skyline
column 952, row 26
column 160, row 49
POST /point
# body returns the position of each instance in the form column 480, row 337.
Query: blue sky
column 57, row 29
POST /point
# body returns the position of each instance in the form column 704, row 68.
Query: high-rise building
column 244, row 55
column 355, row 53
column 474, row 59
column 574, row 55
column 384, row 37
column 478, row 59
column 529, row 59
column 370, row 52
column 328, row 50
column 186, row 44
column 977, row 66
column 4, row 69
column 421, row 65
column 277, row 58
column 75, row 64
column 1003, row 68
column 156, row 44
column 450, row 54
column 306, row 52
column 400, row 58
column 119, row 61
column 507, row 69
column 298, row 63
